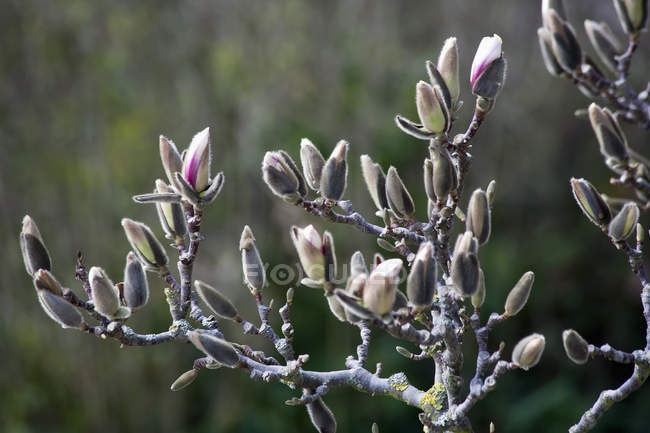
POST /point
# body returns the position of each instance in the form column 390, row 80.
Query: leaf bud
column 624, row 223
column 519, row 294
column 576, row 348
column 421, row 282
column 253, row 268
column 216, row 348
column 184, row 380
column 478, row 216
column 590, row 202
column 136, row 287
column 335, row 172
column 399, row 199
column 216, row 300
column 312, row 163
column 59, row 310
column 35, row 254
column 375, row 181
column 528, row 351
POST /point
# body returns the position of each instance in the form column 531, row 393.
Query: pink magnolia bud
column 488, row 51
column 196, row 166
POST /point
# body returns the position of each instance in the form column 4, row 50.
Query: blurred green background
column 87, row 87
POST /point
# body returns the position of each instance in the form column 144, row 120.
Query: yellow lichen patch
column 398, row 381
column 434, row 397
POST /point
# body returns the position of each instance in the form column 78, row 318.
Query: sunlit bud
column 548, row 56
column 252, row 265
column 309, row 246
column 171, row 159
column 196, row 165
column 478, row 216
column 374, row 428
column 105, row 294
column 35, row 254
column 330, row 256
column 488, row 68
column 528, row 351
column 563, row 42
column 44, row 280
column 632, row 14
column 280, row 177
column 442, row 91
column 60, row 310
column 321, row 416
column 547, row 5
column 490, row 191
column 624, row 223
column 380, row 288
column 431, row 108
column 312, row 163
column 590, row 202
column 576, row 348
column 465, row 272
column 144, row 243
column 375, row 181
column 216, row 348
column 171, row 215
column 184, row 380
column 335, row 306
column 399, row 199
column 214, row 299
column 445, row 178
column 479, row 296
column 335, row 172
column 519, row 294
column 356, row 284
column 421, row 282
column 604, row 42
column 428, row 180
column 136, row 287
column 640, row 235
column 466, row 243
column 610, row 137
column 357, row 264
column 448, row 68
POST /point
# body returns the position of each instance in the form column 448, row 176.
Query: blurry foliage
column 87, row 87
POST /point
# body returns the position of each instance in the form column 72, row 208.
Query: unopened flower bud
column 335, row 306
column 611, row 139
column 214, row 299
column 196, row 166
column 59, row 310
column 335, row 172
column 488, row 71
column 309, row 245
column 528, row 351
column 478, row 216
column 375, row 181
column 556, row 5
column 445, row 178
column 281, row 178
column 136, row 287
column 321, row 416
column 519, row 294
column 144, row 243
column 640, row 234
column 421, row 282
column 624, row 223
column 564, row 43
column 590, row 202
column 604, row 42
column 465, row 272
column 312, row 163
column 576, row 348
column 253, row 268
column 399, row 199
column 357, row 264
column 479, row 296
column 216, row 348
column 105, row 294
column 171, row 159
column 35, row 254
column 490, row 191
column 380, row 288
column 448, row 68
column 184, row 380
column 428, row 180
column 330, row 257
column 632, row 14
column 431, row 110
column 548, row 56
column 44, row 280
column 466, row 243
column 171, row 215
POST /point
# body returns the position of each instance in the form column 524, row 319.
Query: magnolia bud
column 357, row 264
column 448, row 68
column 252, row 265
column 431, row 109
column 335, row 306
column 312, row 163
column 35, row 254
column 399, row 199
column 624, row 223
column 171, row 215
column 445, row 178
column 466, row 243
column 171, row 159
column 335, row 173
column 465, row 272
column 478, row 216
column 490, row 191
column 216, row 348
column 354, row 312
column 479, row 296
column 105, row 294
column 604, row 42
column 321, row 416
column 144, row 243
column 590, row 202
column 196, row 165
column 184, row 380
column 563, row 42
column 380, row 288
column 548, row 56
column 528, row 351
column 640, row 234
column 44, row 280
column 608, row 132
column 632, row 14
column 330, row 257
column 309, row 245
column 576, row 348
column 214, row 299
column 547, row 5
column 280, row 177
column 488, row 68
column 428, row 180
column 59, row 310
column 375, row 181
column 519, row 294
column 136, row 287
column 421, row 282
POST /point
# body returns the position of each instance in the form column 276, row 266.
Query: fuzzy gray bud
column 478, row 216
column 576, row 348
column 604, row 42
column 445, row 178
column 44, row 280
column 312, row 163
column 59, row 310
column 171, row 159
column 281, row 178
column 105, row 294
column 611, row 139
column 144, row 243
column 35, row 254
column 421, row 282
column 528, row 351
column 214, row 299
column 381, row 286
column 399, row 199
column 171, row 215
column 136, row 287
column 184, row 380
column 519, row 294
column 632, row 14
column 335, row 172
column 479, row 296
column 564, row 43
column 253, row 268
column 375, row 181
column 624, row 223
column 548, row 56
column 321, row 416
column 591, row 202
column 216, row 348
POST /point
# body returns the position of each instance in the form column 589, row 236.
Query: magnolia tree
column 604, row 78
